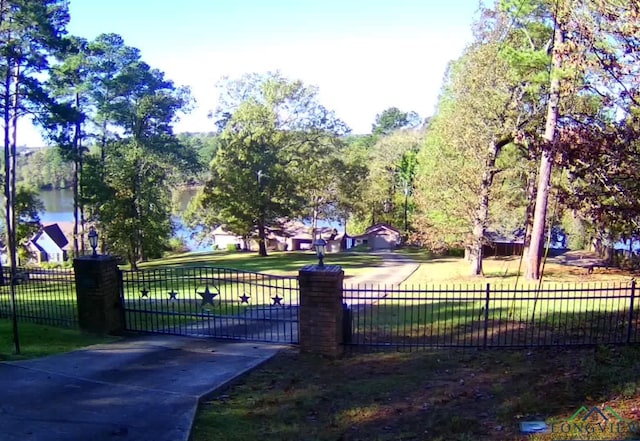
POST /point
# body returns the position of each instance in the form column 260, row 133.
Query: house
column 293, row 235
column 49, row 245
column 378, row 237
column 222, row 239
column 500, row 245
column 288, row 235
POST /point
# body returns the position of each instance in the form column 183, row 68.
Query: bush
column 233, row 247
column 455, row 252
column 177, row 245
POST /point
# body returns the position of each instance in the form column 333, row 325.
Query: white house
column 222, row 238
column 49, row 245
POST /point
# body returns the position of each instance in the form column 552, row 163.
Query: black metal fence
column 215, row 302
column 44, row 296
column 242, row 305
column 493, row 316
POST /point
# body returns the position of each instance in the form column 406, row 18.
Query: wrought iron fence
column 44, row 296
column 215, row 302
column 492, row 316
column 227, row 303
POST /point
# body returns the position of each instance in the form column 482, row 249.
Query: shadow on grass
column 47, row 297
column 464, row 324
column 441, row 395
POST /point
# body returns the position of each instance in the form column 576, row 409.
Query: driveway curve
column 394, row 270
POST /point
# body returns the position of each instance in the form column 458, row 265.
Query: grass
column 48, row 297
column 277, row 262
column 462, row 323
column 437, row 395
column 503, row 271
column 41, row 340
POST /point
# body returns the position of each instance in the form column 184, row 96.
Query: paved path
column 370, row 288
column 583, row 259
column 140, row 389
column 395, row 269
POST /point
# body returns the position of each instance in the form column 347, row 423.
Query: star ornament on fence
column 277, row 300
column 207, row 296
column 173, row 295
column 144, row 293
column 244, row 298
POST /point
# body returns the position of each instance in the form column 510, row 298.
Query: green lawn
column 41, row 340
column 439, row 395
column 504, row 271
column 48, row 297
column 277, row 262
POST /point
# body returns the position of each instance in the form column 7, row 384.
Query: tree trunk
column 14, row 142
column 406, row 207
column 103, row 147
column 132, row 259
column 546, row 163
column 7, row 165
column 608, row 251
column 81, row 198
column 481, row 216
column 138, row 235
column 262, row 239
column 475, row 258
column 76, row 176
column 314, row 221
column 528, row 214
column 343, row 242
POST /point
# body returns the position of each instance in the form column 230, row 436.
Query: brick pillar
column 321, row 310
column 98, row 294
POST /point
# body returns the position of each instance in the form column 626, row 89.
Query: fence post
column 633, row 294
column 100, row 308
column 321, row 310
column 486, row 317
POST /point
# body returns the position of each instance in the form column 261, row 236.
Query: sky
column 363, row 55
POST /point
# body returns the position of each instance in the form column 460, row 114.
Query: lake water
column 58, row 206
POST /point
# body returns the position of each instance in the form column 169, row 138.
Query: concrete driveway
column 139, row 389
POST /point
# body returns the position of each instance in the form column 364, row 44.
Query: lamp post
column 321, row 250
column 93, row 240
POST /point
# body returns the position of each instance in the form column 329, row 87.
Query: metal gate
column 215, row 302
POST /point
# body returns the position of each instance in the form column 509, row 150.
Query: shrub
column 232, row 247
column 455, row 252
column 177, row 245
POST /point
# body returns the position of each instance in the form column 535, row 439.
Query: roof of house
column 495, row 237
column 375, row 229
column 291, row 229
column 220, row 231
column 381, row 227
column 55, row 233
column 297, row 230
